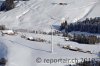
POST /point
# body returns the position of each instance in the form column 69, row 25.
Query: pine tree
column 9, row 4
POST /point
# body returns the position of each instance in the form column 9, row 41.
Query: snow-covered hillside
column 40, row 15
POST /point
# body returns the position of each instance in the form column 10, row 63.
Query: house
column 66, row 38
column 8, row 32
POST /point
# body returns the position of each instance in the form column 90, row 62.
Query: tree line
column 91, row 25
column 84, row 39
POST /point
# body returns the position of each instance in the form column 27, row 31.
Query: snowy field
column 40, row 15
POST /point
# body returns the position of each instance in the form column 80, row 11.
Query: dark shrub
column 2, row 27
column 3, row 61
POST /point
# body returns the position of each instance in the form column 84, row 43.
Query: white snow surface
column 40, row 15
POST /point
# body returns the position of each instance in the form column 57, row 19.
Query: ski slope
column 40, row 14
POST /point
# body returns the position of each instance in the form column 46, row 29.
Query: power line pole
column 51, row 39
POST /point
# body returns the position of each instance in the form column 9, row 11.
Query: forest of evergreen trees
column 91, row 25
column 84, row 39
